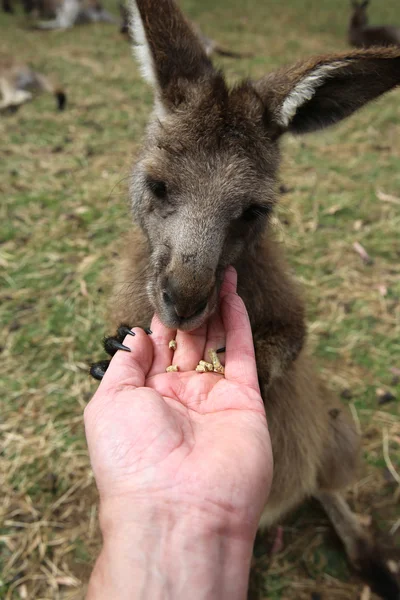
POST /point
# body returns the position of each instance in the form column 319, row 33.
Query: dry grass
column 63, row 187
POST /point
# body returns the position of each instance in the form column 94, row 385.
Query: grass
column 63, row 182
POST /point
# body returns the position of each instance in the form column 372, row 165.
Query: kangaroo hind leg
column 363, row 553
column 337, row 472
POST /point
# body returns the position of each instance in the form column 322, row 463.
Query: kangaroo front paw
column 97, row 370
column 111, row 345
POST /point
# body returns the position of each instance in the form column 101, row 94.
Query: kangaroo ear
column 169, row 52
column 321, row 92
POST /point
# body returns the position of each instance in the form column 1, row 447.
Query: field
column 63, row 186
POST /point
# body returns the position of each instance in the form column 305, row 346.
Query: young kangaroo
column 18, row 84
column 202, row 193
column 363, row 35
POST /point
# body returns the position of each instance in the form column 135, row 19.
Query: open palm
column 185, row 438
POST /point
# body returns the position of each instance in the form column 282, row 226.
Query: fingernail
column 221, row 350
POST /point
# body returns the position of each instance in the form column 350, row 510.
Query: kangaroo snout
column 187, row 300
column 184, row 307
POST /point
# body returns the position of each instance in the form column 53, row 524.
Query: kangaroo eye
column 159, row 188
column 255, row 211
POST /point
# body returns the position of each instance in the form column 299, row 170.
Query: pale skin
column 182, row 461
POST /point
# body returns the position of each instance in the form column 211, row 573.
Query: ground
column 63, row 183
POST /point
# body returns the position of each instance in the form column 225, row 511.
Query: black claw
column 121, row 346
column 221, row 350
column 122, row 331
column 98, row 369
column 112, row 344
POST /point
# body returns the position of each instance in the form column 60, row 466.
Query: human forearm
column 173, row 556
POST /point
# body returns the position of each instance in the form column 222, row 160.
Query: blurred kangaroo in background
column 210, row 46
column 19, row 83
column 8, row 6
column 202, row 194
column 63, row 14
column 36, row 8
column 76, row 12
column 363, row 35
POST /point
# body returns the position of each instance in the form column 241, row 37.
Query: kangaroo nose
column 189, row 313
column 185, row 308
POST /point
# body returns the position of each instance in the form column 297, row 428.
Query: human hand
column 184, row 440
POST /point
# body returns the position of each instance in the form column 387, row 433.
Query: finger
column 229, row 283
column 162, row 354
column 216, row 330
column 240, row 364
column 130, row 368
column 190, row 348
column 215, row 336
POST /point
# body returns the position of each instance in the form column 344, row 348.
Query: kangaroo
column 7, row 6
column 18, row 84
column 202, row 194
column 363, row 35
column 68, row 13
column 44, row 8
column 210, row 46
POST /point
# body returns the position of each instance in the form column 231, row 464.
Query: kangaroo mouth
column 194, row 321
column 186, row 320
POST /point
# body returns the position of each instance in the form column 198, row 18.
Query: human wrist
column 119, row 515
column 170, row 552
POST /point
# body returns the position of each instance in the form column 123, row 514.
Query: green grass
column 63, row 183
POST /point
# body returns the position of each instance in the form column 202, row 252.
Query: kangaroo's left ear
column 321, row 92
column 171, row 55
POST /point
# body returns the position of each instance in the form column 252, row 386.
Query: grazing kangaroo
column 363, row 35
column 19, row 83
column 210, row 46
column 68, row 13
column 202, row 194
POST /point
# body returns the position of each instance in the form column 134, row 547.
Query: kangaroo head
column 204, row 185
column 359, row 17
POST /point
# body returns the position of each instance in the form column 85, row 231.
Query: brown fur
column 362, row 35
column 217, row 152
